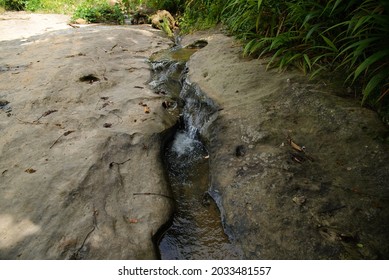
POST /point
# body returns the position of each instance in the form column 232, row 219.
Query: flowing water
column 196, row 230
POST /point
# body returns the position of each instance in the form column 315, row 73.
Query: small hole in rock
column 89, row 79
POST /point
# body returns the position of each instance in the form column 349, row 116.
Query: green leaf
column 329, row 43
column 307, row 60
column 259, row 4
column 335, row 6
column 373, row 84
column 369, row 61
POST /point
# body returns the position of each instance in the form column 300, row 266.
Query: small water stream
column 196, row 231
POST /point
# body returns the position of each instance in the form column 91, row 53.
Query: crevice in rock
column 186, row 159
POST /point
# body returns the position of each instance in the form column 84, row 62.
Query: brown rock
column 159, row 17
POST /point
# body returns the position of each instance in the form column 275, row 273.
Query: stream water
column 196, row 230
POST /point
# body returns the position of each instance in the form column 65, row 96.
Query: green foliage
column 99, row 11
column 202, row 14
column 47, row 6
column 34, row 5
column 349, row 36
column 166, row 28
column 317, row 36
column 173, row 6
column 14, row 5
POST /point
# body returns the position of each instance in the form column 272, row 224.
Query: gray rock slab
column 80, row 135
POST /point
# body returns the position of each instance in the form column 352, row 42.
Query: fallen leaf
column 147, row 110
column 30, row 170
column 133, row 221
column 68, row 132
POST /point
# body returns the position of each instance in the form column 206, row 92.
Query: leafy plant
column 99, row 11
column 14, row 5
column 173, row 6
column 318, row 36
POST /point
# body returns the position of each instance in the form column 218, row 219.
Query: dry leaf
column 147, row 110
column 68, row 132
column 295, row 146
column 30, row 170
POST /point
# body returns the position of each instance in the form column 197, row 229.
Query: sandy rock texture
column 19, row 25
column 299, row 172
column 80, row 167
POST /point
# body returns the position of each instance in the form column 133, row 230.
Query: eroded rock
column 316, row 167
column 161, row 16
column 67, row 179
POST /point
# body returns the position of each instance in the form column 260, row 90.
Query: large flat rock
column 329, row 202
column 80, row 168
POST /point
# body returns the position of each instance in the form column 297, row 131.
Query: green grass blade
column 369, row 61
column 329, row 43
column 373, row 84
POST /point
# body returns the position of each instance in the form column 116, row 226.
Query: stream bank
column 301, row 172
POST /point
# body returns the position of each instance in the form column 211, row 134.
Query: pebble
column 299, row 200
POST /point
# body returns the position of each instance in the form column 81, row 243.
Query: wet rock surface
column 300, row 172
column 80, row 153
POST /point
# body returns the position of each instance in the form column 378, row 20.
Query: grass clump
column 349, row 37
column 99, row 12
column 13, row 5
column 44, row 6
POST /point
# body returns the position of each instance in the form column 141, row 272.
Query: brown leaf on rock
column 68, row 132
column 30, row 170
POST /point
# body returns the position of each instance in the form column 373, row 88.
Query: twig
column 46, row 114
column 37, row 121
column 114, row 47
column 27, row 122
column 118, row 163
column 65, row 134
column 76, row 255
